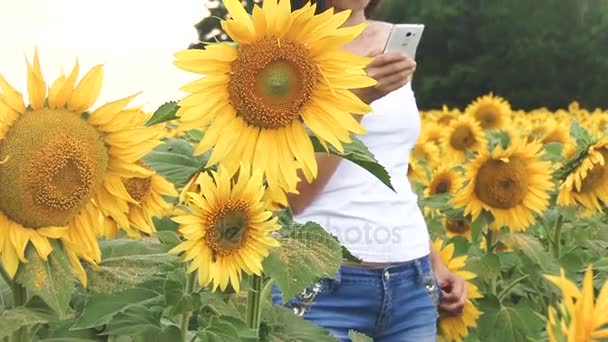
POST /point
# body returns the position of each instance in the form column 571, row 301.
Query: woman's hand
column 392, row 70
column 453, row 288
column 453, row 291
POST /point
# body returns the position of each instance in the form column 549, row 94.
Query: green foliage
column 51, row 280
column 13, row 319
column 164, row 113
column 281, row 325
column 307, row 253
column 175, row 161
column 359, row 154
column 358, row 337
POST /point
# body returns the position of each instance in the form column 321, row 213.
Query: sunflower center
column 457, row 226
column 138, row 188
column 442, row 186
column 56, row 162
column 502, row 184
column 462, row 138
column 487, row 117
column 228, row 228
column 596, row 176
column 271, row 82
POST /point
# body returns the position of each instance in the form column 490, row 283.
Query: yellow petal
column 86, row 92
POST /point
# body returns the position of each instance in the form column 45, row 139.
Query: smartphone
column 405, row 38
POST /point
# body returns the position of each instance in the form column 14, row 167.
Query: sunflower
column 228, row 230
column 148, row 193
column 62, row 165
column 457, row 228
column 580, row 317
column 452, row 328
column 444, row 179
column 288, row 72
column 445, row 116
column 430, row 133
column 463, row 134
column 426, row 153
column 587, row 184
column 492, row 112
column 509, row 183
column 416, row 173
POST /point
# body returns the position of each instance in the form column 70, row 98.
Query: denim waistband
column 415, row 269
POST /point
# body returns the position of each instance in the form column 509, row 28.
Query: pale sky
column 134, row 39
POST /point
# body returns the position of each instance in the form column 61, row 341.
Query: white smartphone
column 405, row 38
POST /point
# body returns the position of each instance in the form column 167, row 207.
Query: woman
column 393, row 295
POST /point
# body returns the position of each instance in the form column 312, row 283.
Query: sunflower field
column 122, row 225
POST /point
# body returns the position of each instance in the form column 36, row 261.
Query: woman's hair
column 371, row 7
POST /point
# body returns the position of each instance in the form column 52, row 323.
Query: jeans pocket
column 304, row 300
column 432, row 287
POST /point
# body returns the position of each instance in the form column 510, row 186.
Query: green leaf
column 59, row 331
column 486, row 267
column 281, row 325
column 219, row 302
column 505, row 323
column 13, row 319
column 53, row 281
column 177, row 299
column 532, row 248
column 224, row 329
column 359, row 337
column 127, row 263
column 553, row 151
column 175, row 161
column 359, row 154
column 137, row 320
column 166, row 112
column 168, row 238
column 100, row 308
column 305, row 255
column 165, row 223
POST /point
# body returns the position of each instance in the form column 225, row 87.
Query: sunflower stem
column 19, row 299
column 490, row 241
column 557, row 240
column 268, row 288
column 190, row 280
column 254, row 308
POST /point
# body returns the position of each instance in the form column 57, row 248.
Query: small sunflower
column 416, row 172
column 587, row 184
column 426, row 153
column 457, row 228
column 492, row 112
column 62, row 165
column 509, row 183
column 444, row 180
column 430, row 133
column 454, row 329
column 287, row 73
column 580, row 317
column 462, row 135
column 228, row 229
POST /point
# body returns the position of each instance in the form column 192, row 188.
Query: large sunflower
column 452, row 328
column 462, row 135
column 580, row 317
column 287, row 73
column 587, row 184
column 492, row 112
column 228, row 229
column 62, row 165
column 509, row 183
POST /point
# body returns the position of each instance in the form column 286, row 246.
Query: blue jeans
column 392, row 304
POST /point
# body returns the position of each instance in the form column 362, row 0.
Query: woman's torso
column 375, row 223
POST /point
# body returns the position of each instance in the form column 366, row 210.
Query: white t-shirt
column 375, row 223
